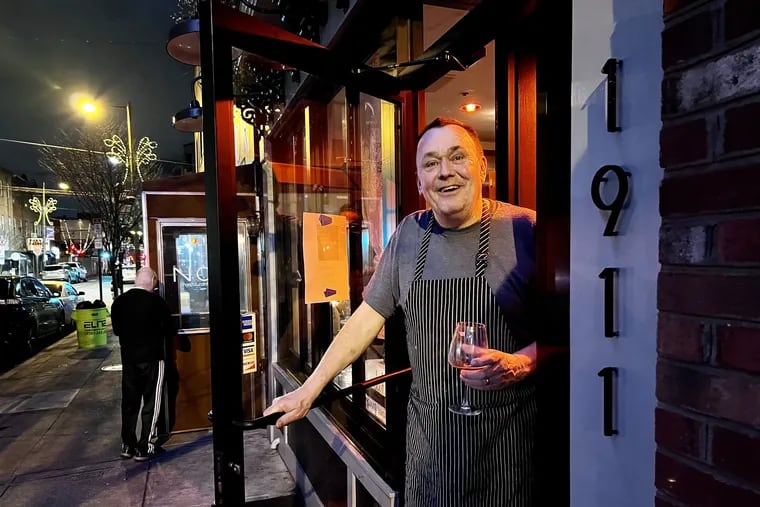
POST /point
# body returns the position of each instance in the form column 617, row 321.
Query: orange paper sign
column 325, row 255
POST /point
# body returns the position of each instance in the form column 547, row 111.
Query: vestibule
column 344, row 146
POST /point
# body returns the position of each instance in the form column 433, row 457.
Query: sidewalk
column 60, row 421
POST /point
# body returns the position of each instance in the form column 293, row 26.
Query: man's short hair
column 442, row 121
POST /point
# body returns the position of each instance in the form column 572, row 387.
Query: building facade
column 16, row 225
column 630, row 132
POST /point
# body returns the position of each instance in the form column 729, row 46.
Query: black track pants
column 140, row 382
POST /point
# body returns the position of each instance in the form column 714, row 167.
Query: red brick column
column 707, row 423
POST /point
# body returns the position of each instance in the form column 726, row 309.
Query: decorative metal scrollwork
column 259, row 93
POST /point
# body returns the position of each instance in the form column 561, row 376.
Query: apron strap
column 422, row 251
column 481, row 259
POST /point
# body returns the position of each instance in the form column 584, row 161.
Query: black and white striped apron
column 452, row 459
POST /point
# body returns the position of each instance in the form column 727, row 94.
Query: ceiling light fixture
column 469, row 105
column 190, row 119
column 184, row 43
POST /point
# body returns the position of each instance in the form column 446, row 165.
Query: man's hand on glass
column 493, row 369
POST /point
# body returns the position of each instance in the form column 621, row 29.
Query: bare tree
column 103, row 189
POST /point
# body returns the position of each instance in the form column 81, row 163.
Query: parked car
column 68, row 295
column 128, row 273
column 28, row 312
column 80, row 270
column 59, row 271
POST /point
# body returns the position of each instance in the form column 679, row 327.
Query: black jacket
column 143, row 322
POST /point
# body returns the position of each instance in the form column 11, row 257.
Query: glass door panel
column 333, row 152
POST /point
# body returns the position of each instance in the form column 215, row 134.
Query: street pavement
column 60, row 441
column 92, row 290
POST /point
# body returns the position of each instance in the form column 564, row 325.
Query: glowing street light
column 132, row 158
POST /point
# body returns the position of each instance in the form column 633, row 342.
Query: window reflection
column 336, row 158
column 191, row 272
column 184, row 264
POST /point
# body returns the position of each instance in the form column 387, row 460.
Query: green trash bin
column 91, row 327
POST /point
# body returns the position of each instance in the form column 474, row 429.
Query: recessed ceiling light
column 470, row 107
column 469, row 104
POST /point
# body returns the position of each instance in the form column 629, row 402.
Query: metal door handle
column 322, row 399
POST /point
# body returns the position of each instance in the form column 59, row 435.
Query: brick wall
column 707, row 424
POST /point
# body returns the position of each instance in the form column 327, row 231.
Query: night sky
column 114, row 50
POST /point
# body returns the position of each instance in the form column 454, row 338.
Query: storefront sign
column 35, row 245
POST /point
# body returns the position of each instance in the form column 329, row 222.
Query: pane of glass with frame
column 185, row 259
column 335, row 154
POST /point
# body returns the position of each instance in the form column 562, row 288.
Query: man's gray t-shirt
column 451, row 254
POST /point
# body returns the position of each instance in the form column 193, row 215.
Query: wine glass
column 468, row 337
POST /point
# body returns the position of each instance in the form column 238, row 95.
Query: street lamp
column 132, row 158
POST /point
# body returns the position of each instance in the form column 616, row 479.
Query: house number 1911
column 609, row 274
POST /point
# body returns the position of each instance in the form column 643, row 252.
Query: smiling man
column 451, row 170
column 465, row 259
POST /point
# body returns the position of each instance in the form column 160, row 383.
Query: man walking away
column 142, row 321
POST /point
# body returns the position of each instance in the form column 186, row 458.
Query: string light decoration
column 303, row 17
column 44, row 210
column 144, row 154
column 81, row 248
column 188, row 9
